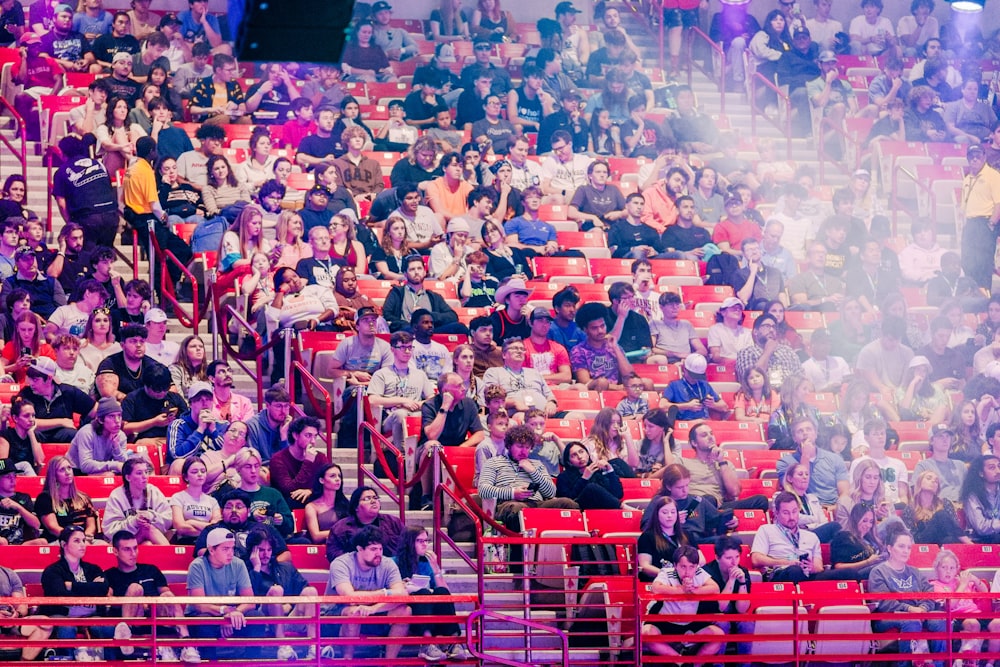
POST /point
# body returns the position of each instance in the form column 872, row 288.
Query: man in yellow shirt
column 142, row 206
column 981, row 206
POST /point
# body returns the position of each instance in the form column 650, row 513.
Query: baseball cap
column 446, row 53
column 828, row 57
column 731, row 301
column 64, row 8
column 940, row 429
column 23, row 251
column 154, row 315
column 918, row 361
column 801, row 32
column 199, row 387
column 975, row 149
column 365, row 311
column 29, row 38
column 319, row 188
column 381, row 5
column 566, row 8
column 540, row 314
column 7, row 467
column 44, row 365
column 862, row 173
column 121, row 55
column 696, row 365
column 219, row 536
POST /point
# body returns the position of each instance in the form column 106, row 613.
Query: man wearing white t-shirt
column 563, row 171
column 157, row 347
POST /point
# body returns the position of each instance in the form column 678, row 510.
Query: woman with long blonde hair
column 289, row 245
column 866, row 489
column 387, row 262
column 932, row 519
column 61, row 504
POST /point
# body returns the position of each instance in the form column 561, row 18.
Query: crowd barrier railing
column 718, row 60
column 322, row 628
column 22, row 133
column 759, row 80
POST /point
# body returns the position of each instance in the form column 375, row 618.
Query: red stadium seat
column 976, row 555
column 923, row 555
column 302, row 181
column 804, row 320
column 564, row 269
column 577, row 240
column 753, row 487
column 758, row 460
column 567, row 429
column 749, row 520
column 693, row 294
column 538, row 522
column 463, row 462
column 824, row 402
column 660, row 375
column 572, row 399
column 375, row 289
column 450, row 341
column 721, row 373
column 553, row 212
column 168, row 484
column 640, row 489
column 309, row 557
column 613, row 523
column 602, row 267
column 443, row 288
column 724, row 430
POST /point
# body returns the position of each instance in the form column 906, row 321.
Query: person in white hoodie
column 137, row 506
column 920, row 260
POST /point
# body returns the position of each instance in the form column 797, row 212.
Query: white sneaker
column 190, row 655
column 920, row 646
column 124, row 633
column 311, row 653
column 83, row 655
column 431, row 653
column 328, row 652
column 286, row 653
column 458, row 652
column 166, row 654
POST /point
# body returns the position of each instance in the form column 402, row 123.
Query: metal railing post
column 152, row 259
column 289, row 334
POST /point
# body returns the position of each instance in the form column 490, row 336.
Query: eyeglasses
column 405, row 348
column 483, row 47
column 422, row 541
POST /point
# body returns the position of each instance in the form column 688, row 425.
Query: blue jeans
column 905, row 624
column 96, row 632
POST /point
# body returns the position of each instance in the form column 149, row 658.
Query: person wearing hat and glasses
column 46, row 293
column 500, row 83
column 694, row 397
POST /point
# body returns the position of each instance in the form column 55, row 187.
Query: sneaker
column 166, row 654
column 458, row 652
column 311, row 654
column 190, row 655
column 286, row 653
column 426, row 503
column 49, row 654
column 123, row 633
column 328, row 652
column 920, row 646
column 83, row 655
column 431, row 653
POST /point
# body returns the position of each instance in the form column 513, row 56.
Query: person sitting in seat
column 685, row 577
column 365, row 571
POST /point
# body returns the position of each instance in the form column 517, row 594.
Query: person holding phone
column 148, row 411
column 784, row 551
column 422, row 575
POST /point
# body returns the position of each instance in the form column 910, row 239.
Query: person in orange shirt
column 660, row 211
column 447, row 195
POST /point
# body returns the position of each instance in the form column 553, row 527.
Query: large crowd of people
column 499, row 149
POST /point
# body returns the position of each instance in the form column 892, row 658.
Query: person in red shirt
column 546, row 356
column 297, row 129
column 39, row 75
column 735, row 227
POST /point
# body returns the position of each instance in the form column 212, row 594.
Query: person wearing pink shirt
column 226, row 404
column 546, row 356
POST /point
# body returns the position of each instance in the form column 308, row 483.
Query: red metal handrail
column 297, row 365
column 168, row 289
column 480, row 615
column 720, row 53
column 827, row 124
column 222, row 315
column 931, row 197
column 366, row 424
column 760, row 79
column 22, row 154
